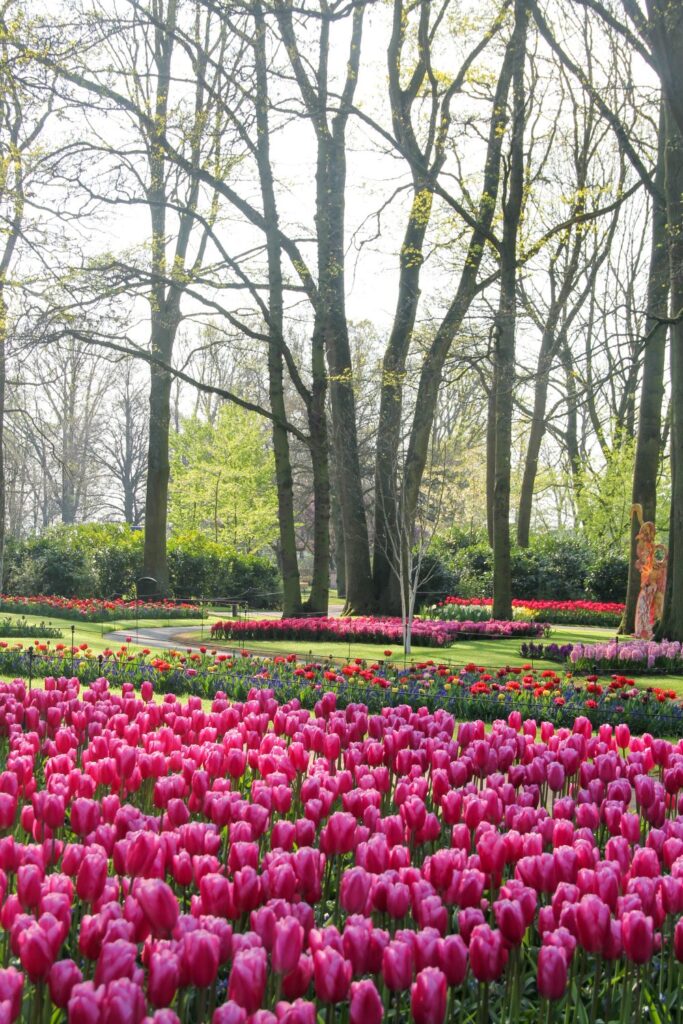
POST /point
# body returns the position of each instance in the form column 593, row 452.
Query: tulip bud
column 552, row 972
column 428, row 996
column 247, row 983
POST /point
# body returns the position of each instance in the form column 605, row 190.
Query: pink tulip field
column 169, row 860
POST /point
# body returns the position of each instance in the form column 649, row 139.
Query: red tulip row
column 96, row 609
column 370, row 629
column 253, row 862
column 588, row 613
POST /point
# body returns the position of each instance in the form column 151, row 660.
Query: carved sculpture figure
column 651, row 562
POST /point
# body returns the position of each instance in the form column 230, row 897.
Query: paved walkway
column 173, row 637
column 161, row 636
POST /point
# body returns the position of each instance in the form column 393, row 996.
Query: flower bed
column 468, row 692
column 95, row 609
column 170, row 863
column 578, row 613
column 425, row 632
column 636, row 655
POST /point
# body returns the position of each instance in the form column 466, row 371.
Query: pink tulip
column 428, row 996
column 552, row 972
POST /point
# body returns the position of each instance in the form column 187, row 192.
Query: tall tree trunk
column 154, row 559
column 331, row 316
column 319, row 599
column 672, row 621
column 536, row 434
column 490, row 459
column 3, row 382
column 291, row 581
column 468, row 286
column 387, row 469
column 649, row 439
column 339, row 553
column 504, row 341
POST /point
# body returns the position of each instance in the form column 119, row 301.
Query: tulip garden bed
column 425, row 632
column 165, row 862
column 468, row 692
column 616, row 655
column 577, row 613
column 93, row 609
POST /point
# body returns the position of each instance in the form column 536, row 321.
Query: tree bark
column 330, row 323
column 291, row 582
column 649, row 438
column 387, row 592
column 672, row 621
column 3, row 382
column 490, row 459
column 468, row 286
column 536, row 434
column 504, row 339
column 319, row 599
column 155, row 562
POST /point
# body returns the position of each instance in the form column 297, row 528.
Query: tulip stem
column 596, row 990
column 639, row 986
column 483, row 1003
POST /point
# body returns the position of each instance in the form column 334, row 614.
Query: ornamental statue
column 651, row 563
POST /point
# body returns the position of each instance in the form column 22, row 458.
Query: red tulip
column 64, row 974
column 117, row 960
column 164, row 978
column 11, row 988
column 366, row 1006
column 340, row 833
column 297, row 983
column 84, row 816
column 638, row 936
column 552, row 972
column 288, row 942
column 428, row 996
column 354, row 890
column 29, row 881
column 85, row 1004
column 488, row 955
column 36, row 952
column 592, row 922
column 397, row 966
column 229, row 1013
column 123, row 1002
column 247, row 983
column 332, row 975
column 92, row 874
column 453, row 959
column 510, row 920
column 159, row 905
column 200, row 957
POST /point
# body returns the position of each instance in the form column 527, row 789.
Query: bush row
column 559, row 566
column 105, row 559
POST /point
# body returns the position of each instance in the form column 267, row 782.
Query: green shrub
column 54, row 563
column 607, row 578
column 105, row 559
column 437, row 579
column 556, row 566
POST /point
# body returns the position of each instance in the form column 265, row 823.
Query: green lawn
column 491, row 654
column 93, row 633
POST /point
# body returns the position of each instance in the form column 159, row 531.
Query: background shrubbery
column 104, row 560
column 558, row 566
